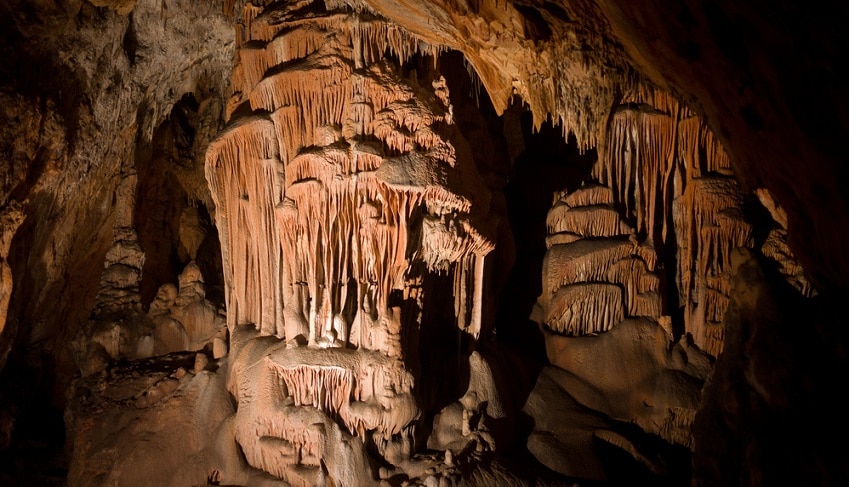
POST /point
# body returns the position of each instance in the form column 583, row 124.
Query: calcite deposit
column 340, row 185
column 595, row 271
column 395, row 242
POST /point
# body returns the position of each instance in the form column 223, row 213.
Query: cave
column 439, row 243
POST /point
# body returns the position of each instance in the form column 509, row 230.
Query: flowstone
column 341, row 185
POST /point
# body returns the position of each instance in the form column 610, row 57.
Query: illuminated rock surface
column 394, row 242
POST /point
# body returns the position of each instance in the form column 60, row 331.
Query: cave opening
column 550, row 163
column 172, row 216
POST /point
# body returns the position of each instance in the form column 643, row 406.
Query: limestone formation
column 343, row 187
column 661, row 171
column 338, row 183
column 119, row 284
column 776, row 247
column 672, row 180
column 313, row 189
column 468, row 423
column 710, row 223
column 267, row 243
column 178, row 319
column 177, row 426
column 595, row 273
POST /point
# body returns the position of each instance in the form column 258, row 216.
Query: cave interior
column 453, row 242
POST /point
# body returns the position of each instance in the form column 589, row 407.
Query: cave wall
column 82, row 161
column 84, row 89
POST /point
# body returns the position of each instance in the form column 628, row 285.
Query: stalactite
column 477, row 295
column 249, row 14
column 247, row 154
column 325, row 388
column 573, row 95
column 717, row 159
column 447, row 240
column 588, row 195
column 584, row 260
column 587, row 221
column 639, row 156
column 289, row 46
column 709, row 224
column 320, row 180
column 654, row 98
column 364, row 392
column 689, row 146
column 775, row 246
column 297, row 113
column 658, row 152
column 461, row 301
column 586, row 308
column 700, row 151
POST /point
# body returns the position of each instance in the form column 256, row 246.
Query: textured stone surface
column 84, row 89
column 355, row 228
column 150, row 421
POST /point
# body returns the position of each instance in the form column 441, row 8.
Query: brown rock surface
column 11, row 218
column 149, row 422
column 366, row 187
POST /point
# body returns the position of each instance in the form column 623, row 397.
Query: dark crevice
column 130, row 43
column 535, row 25
column 165, row 166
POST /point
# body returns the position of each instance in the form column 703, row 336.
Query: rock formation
column 10, row 219
column 595, row 272
column 339, row 185
column 393, row 242
column 673, row 180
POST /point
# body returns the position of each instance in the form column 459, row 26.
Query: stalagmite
column 119, row 284
column 598, row 274
column 374, row 329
